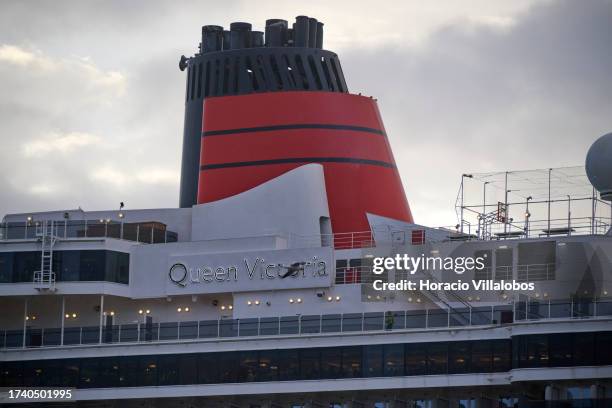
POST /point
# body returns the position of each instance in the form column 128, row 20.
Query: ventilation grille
column 263, row 70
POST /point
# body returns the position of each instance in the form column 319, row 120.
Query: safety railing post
column 42, row 337
column 158, row 330
column 178, row 330
column 321, row 323
column 492, row 314
column 259, row 326
column 362, row 321
column 426, row 318
column 238, row 323
column 138, row 332
column 81, row 335
column 218, row 327
column 572, row 309
column 198, row 330
column 594, row 307
column 279, row 325
column 119, row 334
column 549, row 308
column 470, row 315
column 300, row 324
column 448, row 317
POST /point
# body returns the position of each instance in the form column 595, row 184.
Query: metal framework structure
column 530, row 203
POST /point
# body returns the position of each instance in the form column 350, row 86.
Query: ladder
column 44, row 279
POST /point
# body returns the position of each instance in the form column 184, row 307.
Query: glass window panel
column 351, row 362
column 130, row 374
column 92, row 265
column 373, row 361
column 289, row 365
column 268, row 369
column 437, row 358
column 109, row 372
column 168, row 369
column 584, row 348
column 248, row 365
column 459, row 356
column 331, row 362
column 228, row 366
column 501, row 355
column 188, row 369
column 148, row 370
column 393, row 360
column 309, row 364
column 560, row 348
column 482, row 357
column 208, row 369
column 89, row 373
column 416, row 359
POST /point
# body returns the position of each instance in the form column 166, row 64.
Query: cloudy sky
column 91, row 99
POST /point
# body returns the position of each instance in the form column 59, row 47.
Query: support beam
column 25, row 321
column 101, row 317
column 63, row 320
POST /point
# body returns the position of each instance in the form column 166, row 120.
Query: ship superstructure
column 258, row 291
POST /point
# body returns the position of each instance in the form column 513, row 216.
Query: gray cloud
column 481, row 87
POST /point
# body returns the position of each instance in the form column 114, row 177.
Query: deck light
column 329, row 298
column 290, row 300
column 67, row 316
column 299, row 300
column 140, row 311
column 249, row 302
column 74, row 315
column 337, row 298
column 223, row 307
column 187, row 309
column 112, row 313
column 230, row 307
column 178, row 309
column 257, row 303
column 148, row 311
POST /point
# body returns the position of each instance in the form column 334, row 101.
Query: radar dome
column 599, row 166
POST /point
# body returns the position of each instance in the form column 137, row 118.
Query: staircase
column 44, row 279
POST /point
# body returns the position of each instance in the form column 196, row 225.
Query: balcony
column 143, row 232
column 301, row 325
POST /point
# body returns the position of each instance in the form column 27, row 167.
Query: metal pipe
column 257, row 39
column 312, row 32
column 319, row 40
column 240, row 35
column 300, row 35
column 212, row 38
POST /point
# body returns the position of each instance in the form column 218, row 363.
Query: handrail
column 427, row 319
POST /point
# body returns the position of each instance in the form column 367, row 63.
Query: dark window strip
column 292, row 126
column 298, row 160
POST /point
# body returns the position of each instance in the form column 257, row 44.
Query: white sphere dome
column 599, row 166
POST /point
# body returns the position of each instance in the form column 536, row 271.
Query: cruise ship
column 260, row 290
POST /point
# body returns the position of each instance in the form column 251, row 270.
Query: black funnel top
column 241, row 61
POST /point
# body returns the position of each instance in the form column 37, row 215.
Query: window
column 373, row 361
column 437, row 358
column 351, row 362
column 309, row 364
column 293, row 364
column 416, row 362
column 394, row 360
column 459, row 358
column 331, row 362
column 86, row 265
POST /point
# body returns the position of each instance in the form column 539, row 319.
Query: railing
column 535, row 272
column 530, row 310
column 144, row 232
